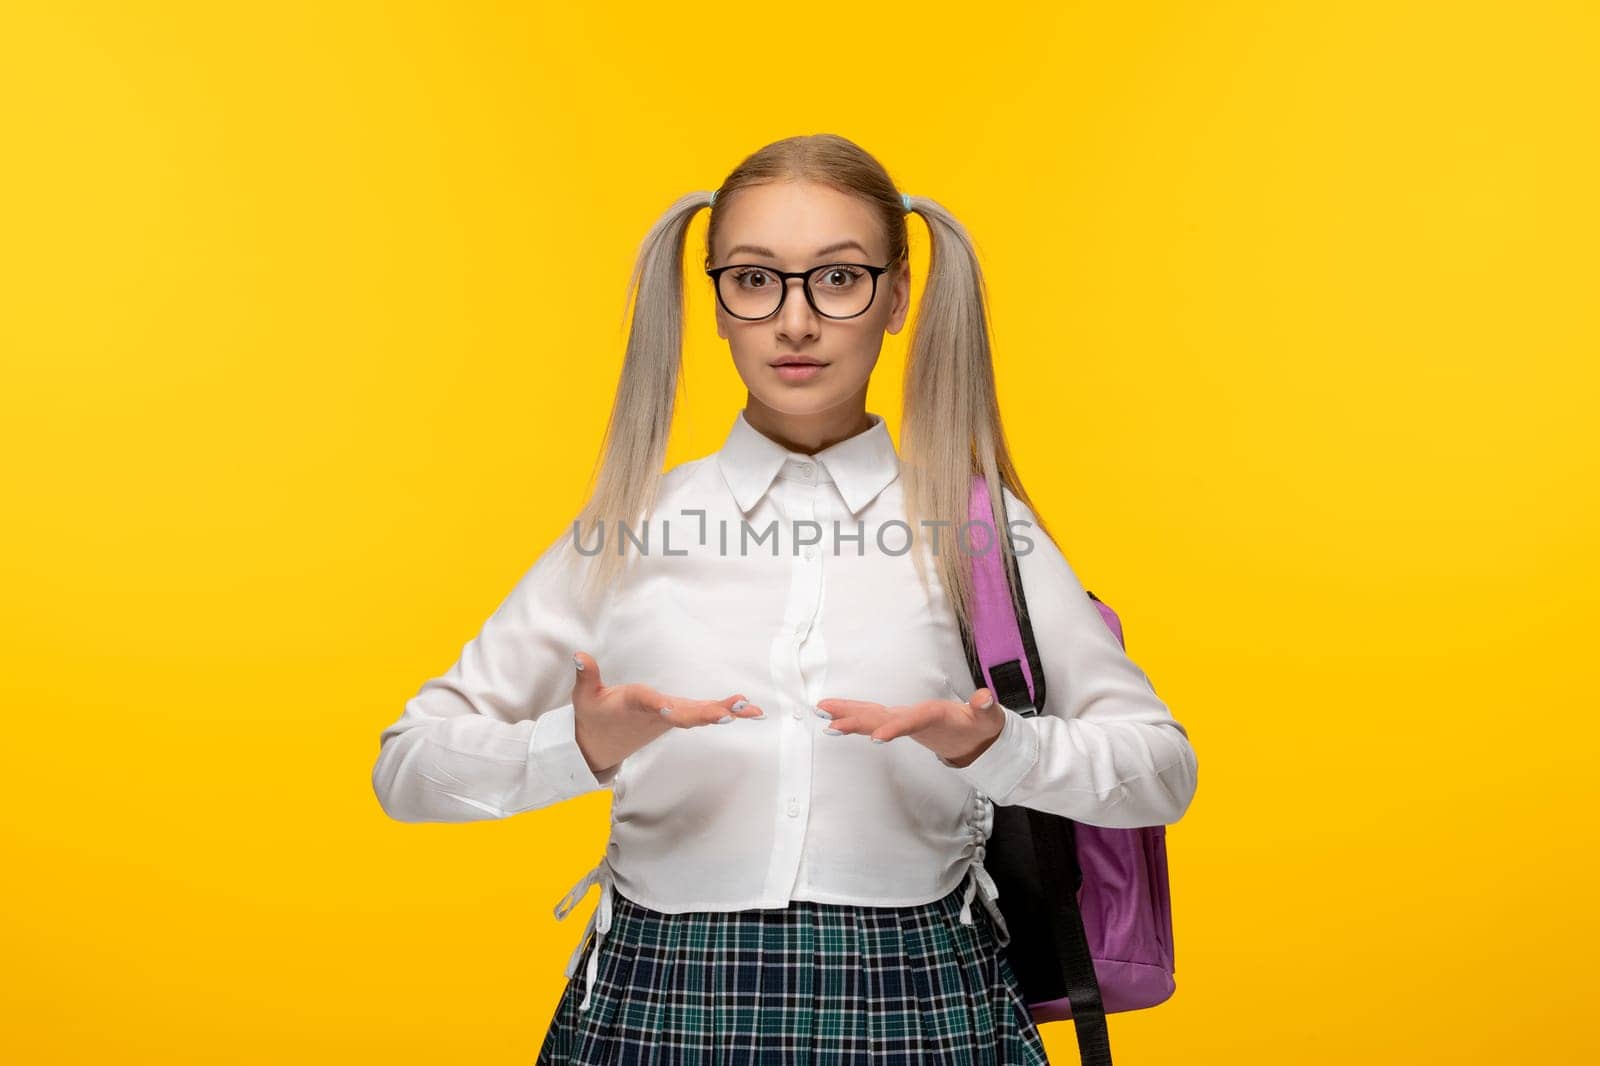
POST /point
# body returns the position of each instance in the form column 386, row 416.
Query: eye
column 752, row 278
column 838, row 276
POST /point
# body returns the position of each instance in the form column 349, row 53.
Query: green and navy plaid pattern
column 816, row 984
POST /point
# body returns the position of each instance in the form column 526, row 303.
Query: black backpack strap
column 1058, row 854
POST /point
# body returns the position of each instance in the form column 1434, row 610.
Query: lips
column 796, row 372
column 798, row 362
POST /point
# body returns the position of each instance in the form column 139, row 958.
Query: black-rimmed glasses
column 834, row 290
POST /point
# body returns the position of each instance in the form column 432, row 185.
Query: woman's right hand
column 612, row 722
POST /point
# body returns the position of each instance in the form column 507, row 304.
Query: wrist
column 968, row 758
column 584, row 743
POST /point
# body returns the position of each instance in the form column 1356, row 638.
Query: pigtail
column 628, row 472
column 951, row 426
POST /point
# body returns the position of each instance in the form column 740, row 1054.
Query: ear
column 902, row 298
column 716, row 312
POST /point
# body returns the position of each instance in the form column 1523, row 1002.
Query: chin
column 796, row 401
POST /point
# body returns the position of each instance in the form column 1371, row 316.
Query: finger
column 646, row 700
column 586, row 672
column 740, row 707
column 909, row 720
column 834, row 707
column 860, row 716
column 587, row 687
column 687, row 714
column 731, row 707
column 853, row 722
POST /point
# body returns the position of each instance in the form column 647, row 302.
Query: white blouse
column 756, row 813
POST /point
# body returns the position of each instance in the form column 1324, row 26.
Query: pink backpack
column 1088, row 909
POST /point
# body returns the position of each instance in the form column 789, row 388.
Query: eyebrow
column 756, row 249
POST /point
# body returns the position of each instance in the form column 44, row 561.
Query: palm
column 951, row 729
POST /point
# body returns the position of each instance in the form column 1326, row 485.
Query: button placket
column 792, row 499
column 808, row 586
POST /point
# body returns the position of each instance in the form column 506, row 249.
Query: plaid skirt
column 819, row 984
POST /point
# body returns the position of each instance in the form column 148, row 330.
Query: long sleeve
column 493, row 735
column 1106, row 751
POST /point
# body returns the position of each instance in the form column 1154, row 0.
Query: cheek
column 743, row 342
column 858, row 351
column 747, row 352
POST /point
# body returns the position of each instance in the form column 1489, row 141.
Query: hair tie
column 905, row 198
column 713, row 201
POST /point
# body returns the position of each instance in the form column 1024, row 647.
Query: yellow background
column 310, row 321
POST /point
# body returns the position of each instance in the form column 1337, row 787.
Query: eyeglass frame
column 783, row 276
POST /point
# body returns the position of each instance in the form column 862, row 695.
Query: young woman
column 797, row 883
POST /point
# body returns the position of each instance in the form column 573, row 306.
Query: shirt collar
column 860, row 466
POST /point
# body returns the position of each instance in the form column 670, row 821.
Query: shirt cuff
column 553, row 750
column 1005, row 762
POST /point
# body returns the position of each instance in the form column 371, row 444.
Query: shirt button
column 805, row 469
column 794, row 809
column 798, row 713
column 800, row 629
column 811, row 553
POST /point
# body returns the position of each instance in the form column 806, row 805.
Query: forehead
column 795, row 221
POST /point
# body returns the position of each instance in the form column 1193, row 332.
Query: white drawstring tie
column 599, row 923
column 979, row 882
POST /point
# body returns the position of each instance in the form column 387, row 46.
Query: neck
column 808, row 433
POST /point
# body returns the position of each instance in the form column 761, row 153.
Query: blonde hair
column 951, row 425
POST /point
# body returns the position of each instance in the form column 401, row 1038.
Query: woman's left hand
column 956, row 732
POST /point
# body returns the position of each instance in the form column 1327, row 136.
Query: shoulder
column 1020, row 519
column 687, row 478
column 1015, row 508
column 1031, row 541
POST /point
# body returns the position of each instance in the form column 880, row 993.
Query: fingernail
column 833, row 732
column 725, row 719
column 577, row 661
column 879, row 740
column 824, row 714
column 986, row 706
column 754, row 717
column 738, row 704
column 666, row 711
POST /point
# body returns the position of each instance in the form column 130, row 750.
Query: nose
column 795, row 318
